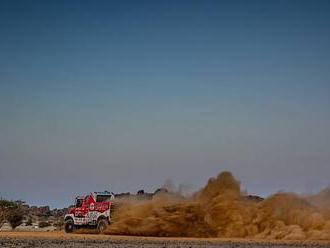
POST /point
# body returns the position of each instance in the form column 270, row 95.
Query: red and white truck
column 93, row 210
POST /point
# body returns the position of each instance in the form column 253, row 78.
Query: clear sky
column 122, row 95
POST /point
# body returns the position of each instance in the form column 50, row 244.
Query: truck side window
column 102, row 198
column 79, row 203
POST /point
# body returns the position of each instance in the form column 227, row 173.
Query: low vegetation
column 12, row 212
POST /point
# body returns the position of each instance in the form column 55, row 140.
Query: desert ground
column 61, row 239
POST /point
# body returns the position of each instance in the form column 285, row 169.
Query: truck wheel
column 69, row 226
column 102, row 225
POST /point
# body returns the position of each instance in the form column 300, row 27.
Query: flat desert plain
column 60, row 239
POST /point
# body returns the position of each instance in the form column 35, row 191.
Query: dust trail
column 220, row 209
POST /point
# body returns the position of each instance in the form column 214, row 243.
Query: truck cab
column 91, row 211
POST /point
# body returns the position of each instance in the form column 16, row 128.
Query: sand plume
column 220, row 209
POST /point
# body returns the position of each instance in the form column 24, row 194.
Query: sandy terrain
column 60, row 239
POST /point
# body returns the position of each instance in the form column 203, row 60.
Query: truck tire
column 102, row 225
column 69, row 226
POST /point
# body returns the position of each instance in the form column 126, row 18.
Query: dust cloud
column 221, row 209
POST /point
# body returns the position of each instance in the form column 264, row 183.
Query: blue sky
column 123, row 95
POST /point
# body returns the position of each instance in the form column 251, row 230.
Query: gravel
column 98, row 241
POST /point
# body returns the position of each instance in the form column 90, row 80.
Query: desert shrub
column 5, row 204
column 43, row 224
column 15, row 217
column 12, row 212
column 29, row 222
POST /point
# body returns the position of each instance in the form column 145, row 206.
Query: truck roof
column 103, row 193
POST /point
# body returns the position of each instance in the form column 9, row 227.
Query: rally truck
column 90, row 211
